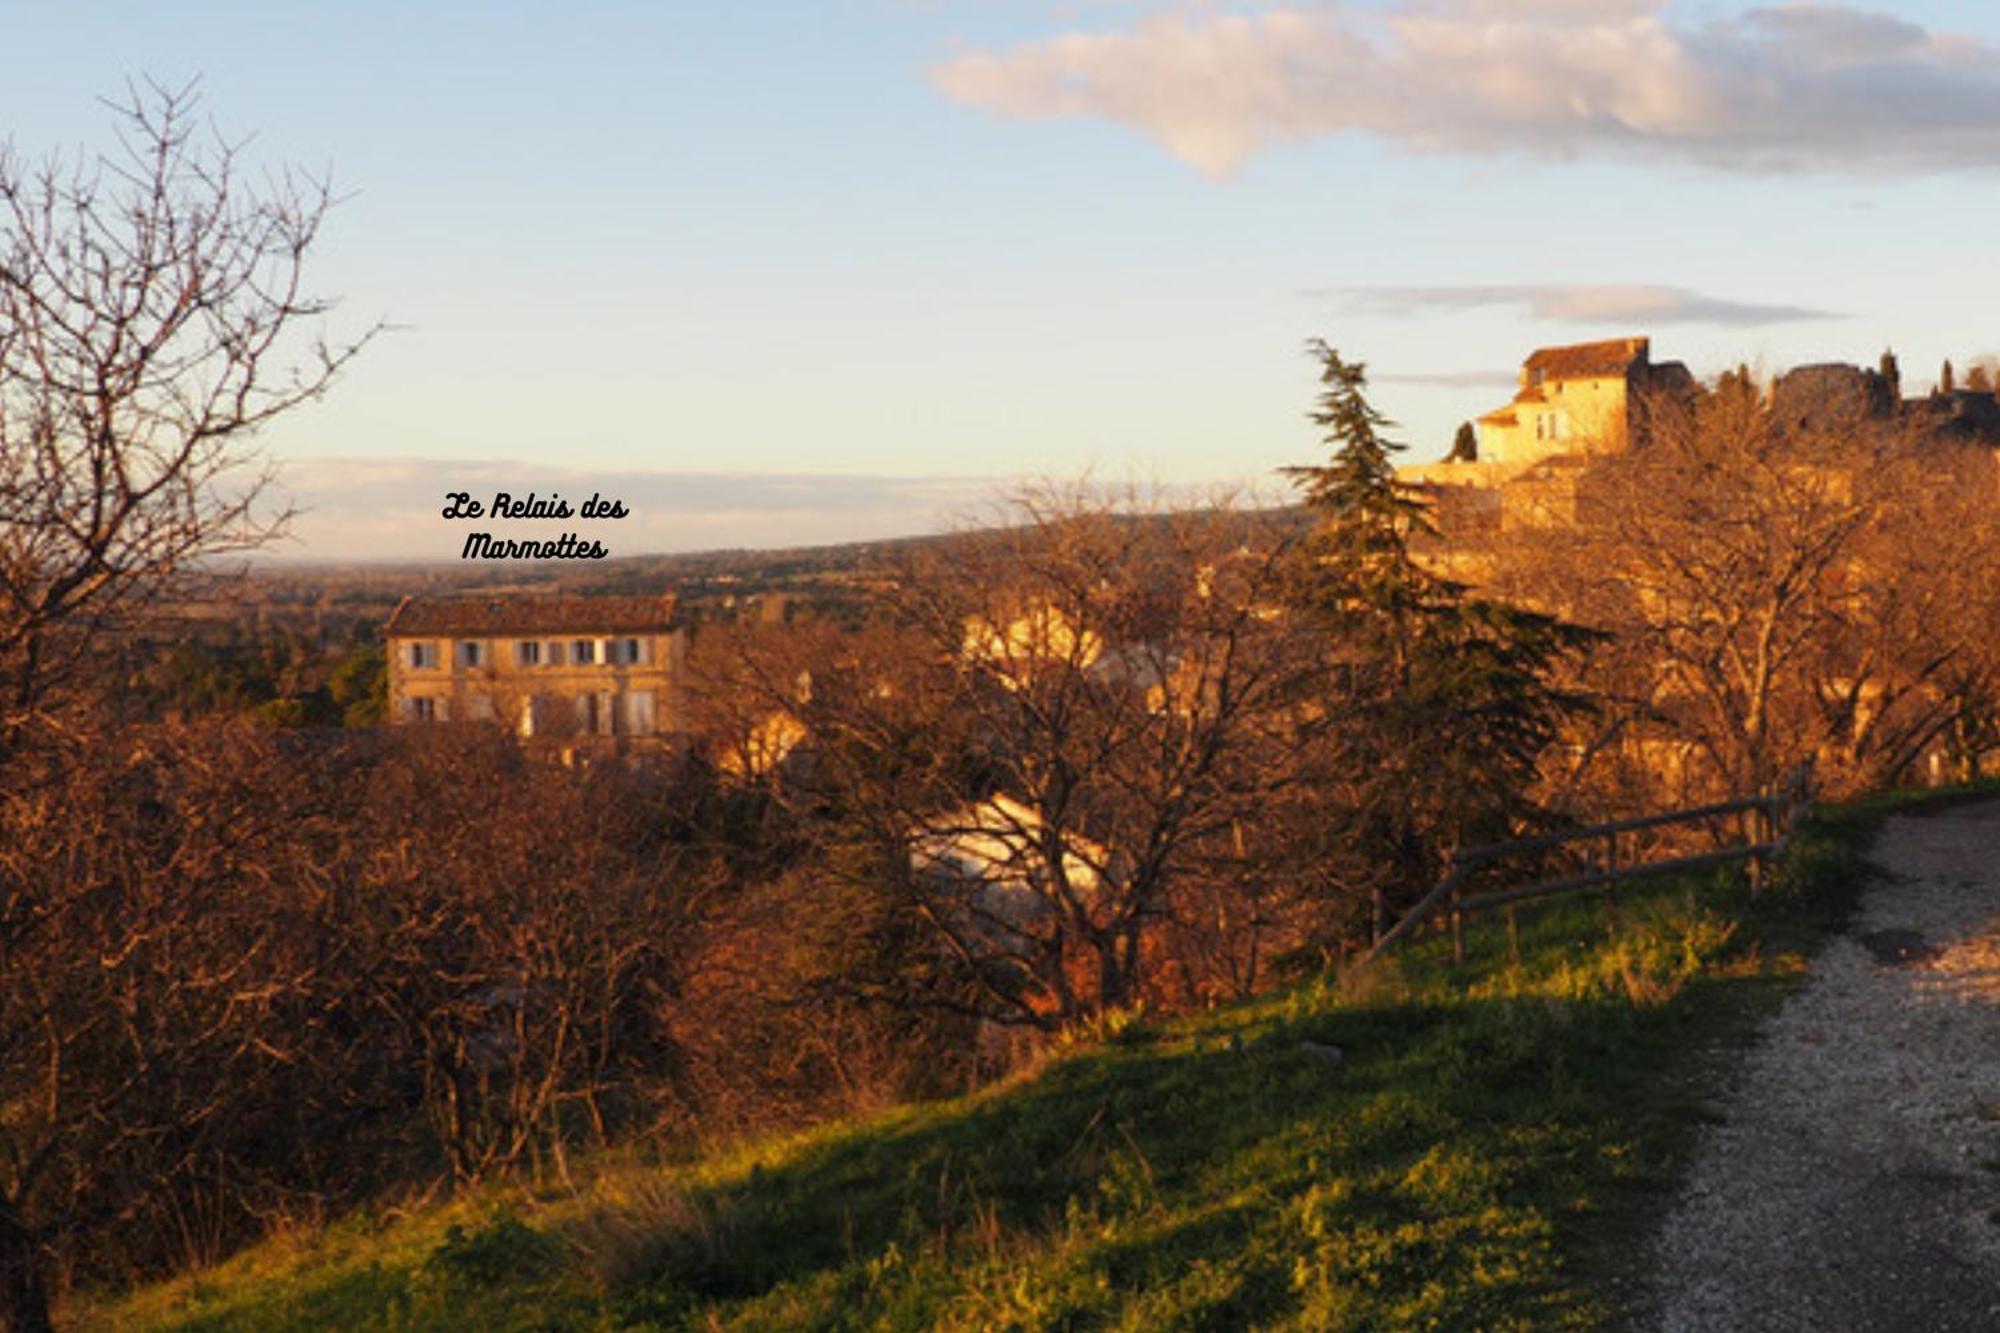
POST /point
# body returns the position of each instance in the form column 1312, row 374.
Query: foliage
column 1777, row 580
column 247, row 973
column 359, row 687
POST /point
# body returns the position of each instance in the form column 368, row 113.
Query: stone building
column 1580, row 402
column 593, row 675
column 1576, row 399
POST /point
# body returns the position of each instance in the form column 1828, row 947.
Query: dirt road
column 1854, row 1183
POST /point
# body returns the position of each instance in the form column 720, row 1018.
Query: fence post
column 1760, row 820
column 1457, row 929
column 1425, row 910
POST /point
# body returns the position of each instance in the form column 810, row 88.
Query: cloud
column 391, row 509
column 1581, row 304
column 1795, row 87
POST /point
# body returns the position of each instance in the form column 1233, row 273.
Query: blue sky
column 909, row 242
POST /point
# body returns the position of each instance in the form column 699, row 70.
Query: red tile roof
column 1587, row 360
column 531, row 615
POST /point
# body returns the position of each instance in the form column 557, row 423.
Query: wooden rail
column 1776, row 813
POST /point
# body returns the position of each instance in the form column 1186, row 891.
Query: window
column 421, row 656
column 583, row 652
column 469, row 654
column 423, row 710
column 528, row 653
column 639, row 719
column 631, row 651
column 594, row 713
column 554, row 654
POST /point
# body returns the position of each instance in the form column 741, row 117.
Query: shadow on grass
column 1467, row 1141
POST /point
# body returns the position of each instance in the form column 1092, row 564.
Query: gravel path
column 1855, row 1180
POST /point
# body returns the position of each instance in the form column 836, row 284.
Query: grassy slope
column 1491, row 1152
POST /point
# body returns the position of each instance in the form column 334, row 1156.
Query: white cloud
column 1582, row 303
column 1795, row 87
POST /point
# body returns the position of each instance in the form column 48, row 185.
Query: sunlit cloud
column 1579, row 303
column 1796, row 87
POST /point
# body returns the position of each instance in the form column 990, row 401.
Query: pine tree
column 1946, row 382
column 1892, row 377
column 1464, row 445
column 1442, row 703
column 1362, row 569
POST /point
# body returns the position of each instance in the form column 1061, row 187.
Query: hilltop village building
column 1580, row 402
column 1576, row 399
column 593, row 675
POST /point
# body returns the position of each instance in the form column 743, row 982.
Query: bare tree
column 1059, row 725
column 153, row 316
column 1776, row 584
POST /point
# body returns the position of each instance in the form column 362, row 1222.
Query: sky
column 790, row 271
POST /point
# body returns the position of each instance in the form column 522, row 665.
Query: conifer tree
column 1946, row 381
column 1442, row 704
column 1464, row 445
column 1362, row 572
column 1892, row 377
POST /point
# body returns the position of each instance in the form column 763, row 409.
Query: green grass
column 1492, row 1152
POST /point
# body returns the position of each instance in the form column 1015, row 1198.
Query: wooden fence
column 1768, row 821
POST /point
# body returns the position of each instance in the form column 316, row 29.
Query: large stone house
column 1573, row 404
column 1575, row 399
column 590, row 674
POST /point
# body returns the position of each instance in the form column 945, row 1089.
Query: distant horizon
column 385, row 512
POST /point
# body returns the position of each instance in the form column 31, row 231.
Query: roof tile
column 531, row 615
column 1587, row 360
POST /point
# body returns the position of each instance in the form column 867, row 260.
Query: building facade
column 587, row 674
column 1575, row 399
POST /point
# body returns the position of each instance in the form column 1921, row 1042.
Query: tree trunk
column 24, row 1294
